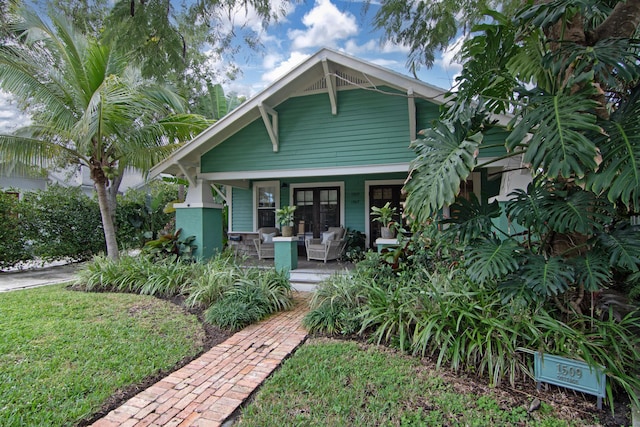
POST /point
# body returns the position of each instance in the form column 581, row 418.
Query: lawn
column 63, row 353
column 343, row 383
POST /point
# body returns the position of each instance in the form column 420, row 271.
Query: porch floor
column 329, row 267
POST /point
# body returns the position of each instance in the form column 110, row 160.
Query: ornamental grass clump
column 250, row 299
column 231, row 296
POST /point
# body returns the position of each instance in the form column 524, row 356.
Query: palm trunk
column 107, row 221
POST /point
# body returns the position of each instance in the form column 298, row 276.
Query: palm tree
column 88, row 107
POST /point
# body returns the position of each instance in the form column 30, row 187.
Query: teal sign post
column 569, row 373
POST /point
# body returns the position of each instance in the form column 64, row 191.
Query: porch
column 308, row 274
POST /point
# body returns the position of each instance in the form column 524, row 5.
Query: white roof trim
column 302, row 173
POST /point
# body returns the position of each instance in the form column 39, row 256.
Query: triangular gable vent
column 342, row 80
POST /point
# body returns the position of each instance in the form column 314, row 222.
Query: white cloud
column 270, row 60
column 326, row 25
column 448, row 60
column 284, row 67
column 10, row 117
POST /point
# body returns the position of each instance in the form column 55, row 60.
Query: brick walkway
column 208, row 390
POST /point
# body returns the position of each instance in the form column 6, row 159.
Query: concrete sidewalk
column 24, row 279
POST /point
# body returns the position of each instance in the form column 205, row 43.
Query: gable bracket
column 186, row 174
column 270, row 119
column 331, row 87
column 412, row 114
column 220, row 193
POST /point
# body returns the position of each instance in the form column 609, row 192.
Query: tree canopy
column 89, row 106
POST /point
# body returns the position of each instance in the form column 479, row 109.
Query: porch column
column 286, row 253
column 201, row 217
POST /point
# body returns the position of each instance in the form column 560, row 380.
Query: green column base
column 205, row 223
column 286, row 253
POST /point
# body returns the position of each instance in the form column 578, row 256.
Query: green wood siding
column 370, row 128
column 492, row 137
column 242, row 209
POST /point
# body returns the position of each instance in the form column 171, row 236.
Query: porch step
column 306, row 280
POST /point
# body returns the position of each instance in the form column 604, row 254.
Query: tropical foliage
column 430, row 307
column 570, row 80
column 89, row 107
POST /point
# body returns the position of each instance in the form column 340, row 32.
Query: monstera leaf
column 579, row 212
column 546, row 277
column 529, row 208
column 471, row 220
column 619, row 173
column 491, row 259
column 445, row 157
column 558, row 125
column 622, row 245
column 592, row 270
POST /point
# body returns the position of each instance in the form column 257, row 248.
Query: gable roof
column 328, row 71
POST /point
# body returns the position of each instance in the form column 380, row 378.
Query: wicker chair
column 329, row 247
column 264, row 243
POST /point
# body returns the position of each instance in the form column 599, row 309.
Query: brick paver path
column 208, row 390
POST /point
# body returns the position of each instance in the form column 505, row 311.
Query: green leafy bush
column 336, row 303
column 60, row 223
column 441, row 314
column 171, row 246
column 141, row 215
column 12, row 242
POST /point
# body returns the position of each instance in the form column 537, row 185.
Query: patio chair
column 329, row 247
column 264, row 242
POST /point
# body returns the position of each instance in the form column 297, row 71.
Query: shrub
column 61, row 223
column 140, row 213
column 12, row 243
column 211, row 281
column 171, row 246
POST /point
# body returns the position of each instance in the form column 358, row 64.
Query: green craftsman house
column 331, row 137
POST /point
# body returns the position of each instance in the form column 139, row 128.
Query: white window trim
column 339, row 184
column 256, row 186
column 367, row 212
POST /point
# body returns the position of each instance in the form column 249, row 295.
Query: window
column 267, row 194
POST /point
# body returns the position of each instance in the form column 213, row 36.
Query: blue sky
column 302, row 30
column 342, row 25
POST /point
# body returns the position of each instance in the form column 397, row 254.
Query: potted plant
column 284, row 217
column 384, row 216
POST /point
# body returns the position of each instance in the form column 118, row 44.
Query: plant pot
column 387, row 233
column 287, row 231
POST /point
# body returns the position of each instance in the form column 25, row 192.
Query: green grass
column 328, row 383
column 63, row 353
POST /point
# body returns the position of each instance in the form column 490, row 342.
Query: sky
column 302, row 30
